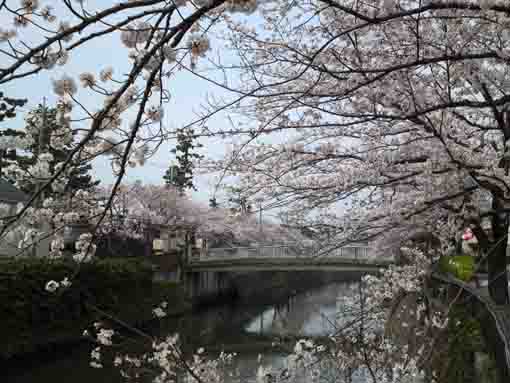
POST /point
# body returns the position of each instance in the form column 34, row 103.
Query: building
column 10, row 197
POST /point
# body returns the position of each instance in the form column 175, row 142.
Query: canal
column 260, row 335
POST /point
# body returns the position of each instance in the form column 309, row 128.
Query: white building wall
column 10, row 240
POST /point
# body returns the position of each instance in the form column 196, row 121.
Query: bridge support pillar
column 207, row 285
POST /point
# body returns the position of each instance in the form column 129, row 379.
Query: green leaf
column 461, row 266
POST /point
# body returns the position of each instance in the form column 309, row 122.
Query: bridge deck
column 287, row 257
column 279, row 265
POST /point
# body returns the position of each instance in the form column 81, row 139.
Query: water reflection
column 317, row 313
column 254, row 333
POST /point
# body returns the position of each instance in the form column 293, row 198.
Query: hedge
column 31, row 317
column 464, row 340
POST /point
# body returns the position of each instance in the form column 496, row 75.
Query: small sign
column 158, row 244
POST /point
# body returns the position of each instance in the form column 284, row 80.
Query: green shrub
column 31, row 317
column 464, row 339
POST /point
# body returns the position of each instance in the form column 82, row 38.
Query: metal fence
column 286, row 251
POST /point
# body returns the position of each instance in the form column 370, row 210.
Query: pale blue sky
column 188, row 92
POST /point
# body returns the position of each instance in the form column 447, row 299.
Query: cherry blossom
column 390, row 117
column 64, row 86
column 52, row 286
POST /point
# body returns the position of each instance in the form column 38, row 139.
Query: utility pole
column 260, row 218
column 2, row 154
column 259, row 202
column 43, row 143
column 44, row 136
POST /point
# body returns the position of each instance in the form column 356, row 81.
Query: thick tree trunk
column 496, row 259
column 498, row 283
column 495, row 345
column 494, row 323
column 498, row 277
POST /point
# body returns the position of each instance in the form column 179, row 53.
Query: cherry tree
column 393, row 120
column 396, row 124
column 393, row 113
column 396, row 108
column 138, row 209
column 160, row 38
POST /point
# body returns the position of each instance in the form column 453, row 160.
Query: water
column 250, row 331
column 312, row 314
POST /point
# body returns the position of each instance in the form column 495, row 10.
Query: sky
column 188, row 92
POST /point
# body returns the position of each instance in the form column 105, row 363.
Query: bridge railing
column 287, row 251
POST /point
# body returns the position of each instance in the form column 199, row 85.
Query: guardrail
column 286, row 251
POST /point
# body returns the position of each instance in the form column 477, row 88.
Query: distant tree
column 7, row 111
column 213, row 203
column 8, row 106
column 58, row 145
column 171, row 175
column 181, row 175
column 7, row 149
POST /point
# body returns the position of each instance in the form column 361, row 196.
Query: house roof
column 9, row 193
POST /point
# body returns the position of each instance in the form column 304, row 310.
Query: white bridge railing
column 289, row 251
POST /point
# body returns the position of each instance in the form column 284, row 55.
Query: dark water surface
column 247, row 330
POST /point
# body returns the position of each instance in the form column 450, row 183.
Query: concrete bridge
column 214, row 272
column 288, row 257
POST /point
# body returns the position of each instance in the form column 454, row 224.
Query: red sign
column 468, row 235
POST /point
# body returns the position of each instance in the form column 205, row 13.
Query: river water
column 258, row 334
